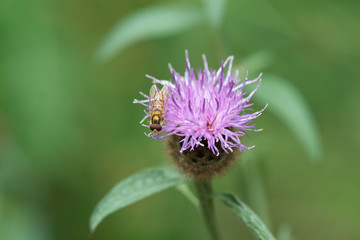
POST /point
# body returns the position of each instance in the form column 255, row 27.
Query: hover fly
column 157, row 100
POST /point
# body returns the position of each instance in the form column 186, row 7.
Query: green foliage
column 148, row 182
column 256, row 62
column 133, row 189
column 290, row 106
column 184, row 189
column 68, row 127
column 254, row 188
column 247, row 215
column 285, row 232
column 21, row 221
column 148, row 23
column 215, row 10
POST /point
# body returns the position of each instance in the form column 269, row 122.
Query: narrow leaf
column 254, row 188
column 285, row 232
column 247, row 215
column 148, row 23
column 132, row 189
column 257, row 62
column 184, row 189
column 215, row 11
column 291, row 107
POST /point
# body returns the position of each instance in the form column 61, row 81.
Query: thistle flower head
column 207, row 108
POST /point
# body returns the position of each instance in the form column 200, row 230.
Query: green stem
column 204, row 189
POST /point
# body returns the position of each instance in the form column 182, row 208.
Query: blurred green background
column 69, row 130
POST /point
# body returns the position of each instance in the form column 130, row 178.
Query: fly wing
column 165, row 93
column 153, row 91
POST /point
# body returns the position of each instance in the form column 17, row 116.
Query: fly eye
column 156, row 127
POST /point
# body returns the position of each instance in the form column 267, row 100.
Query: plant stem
column 204, row 189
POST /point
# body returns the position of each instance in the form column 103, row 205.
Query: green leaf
column 290, row 106
column 254, row 189
column 148, row 23
column 246, row 214
column 132, row 189
column 285, row 232
column 256, row 62
column 184, row 189
column 215, row 10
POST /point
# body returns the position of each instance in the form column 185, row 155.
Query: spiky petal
column 208, row 108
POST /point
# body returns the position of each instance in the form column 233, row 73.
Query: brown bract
column 200, row 164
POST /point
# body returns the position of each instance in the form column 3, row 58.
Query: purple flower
column 206, row 107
